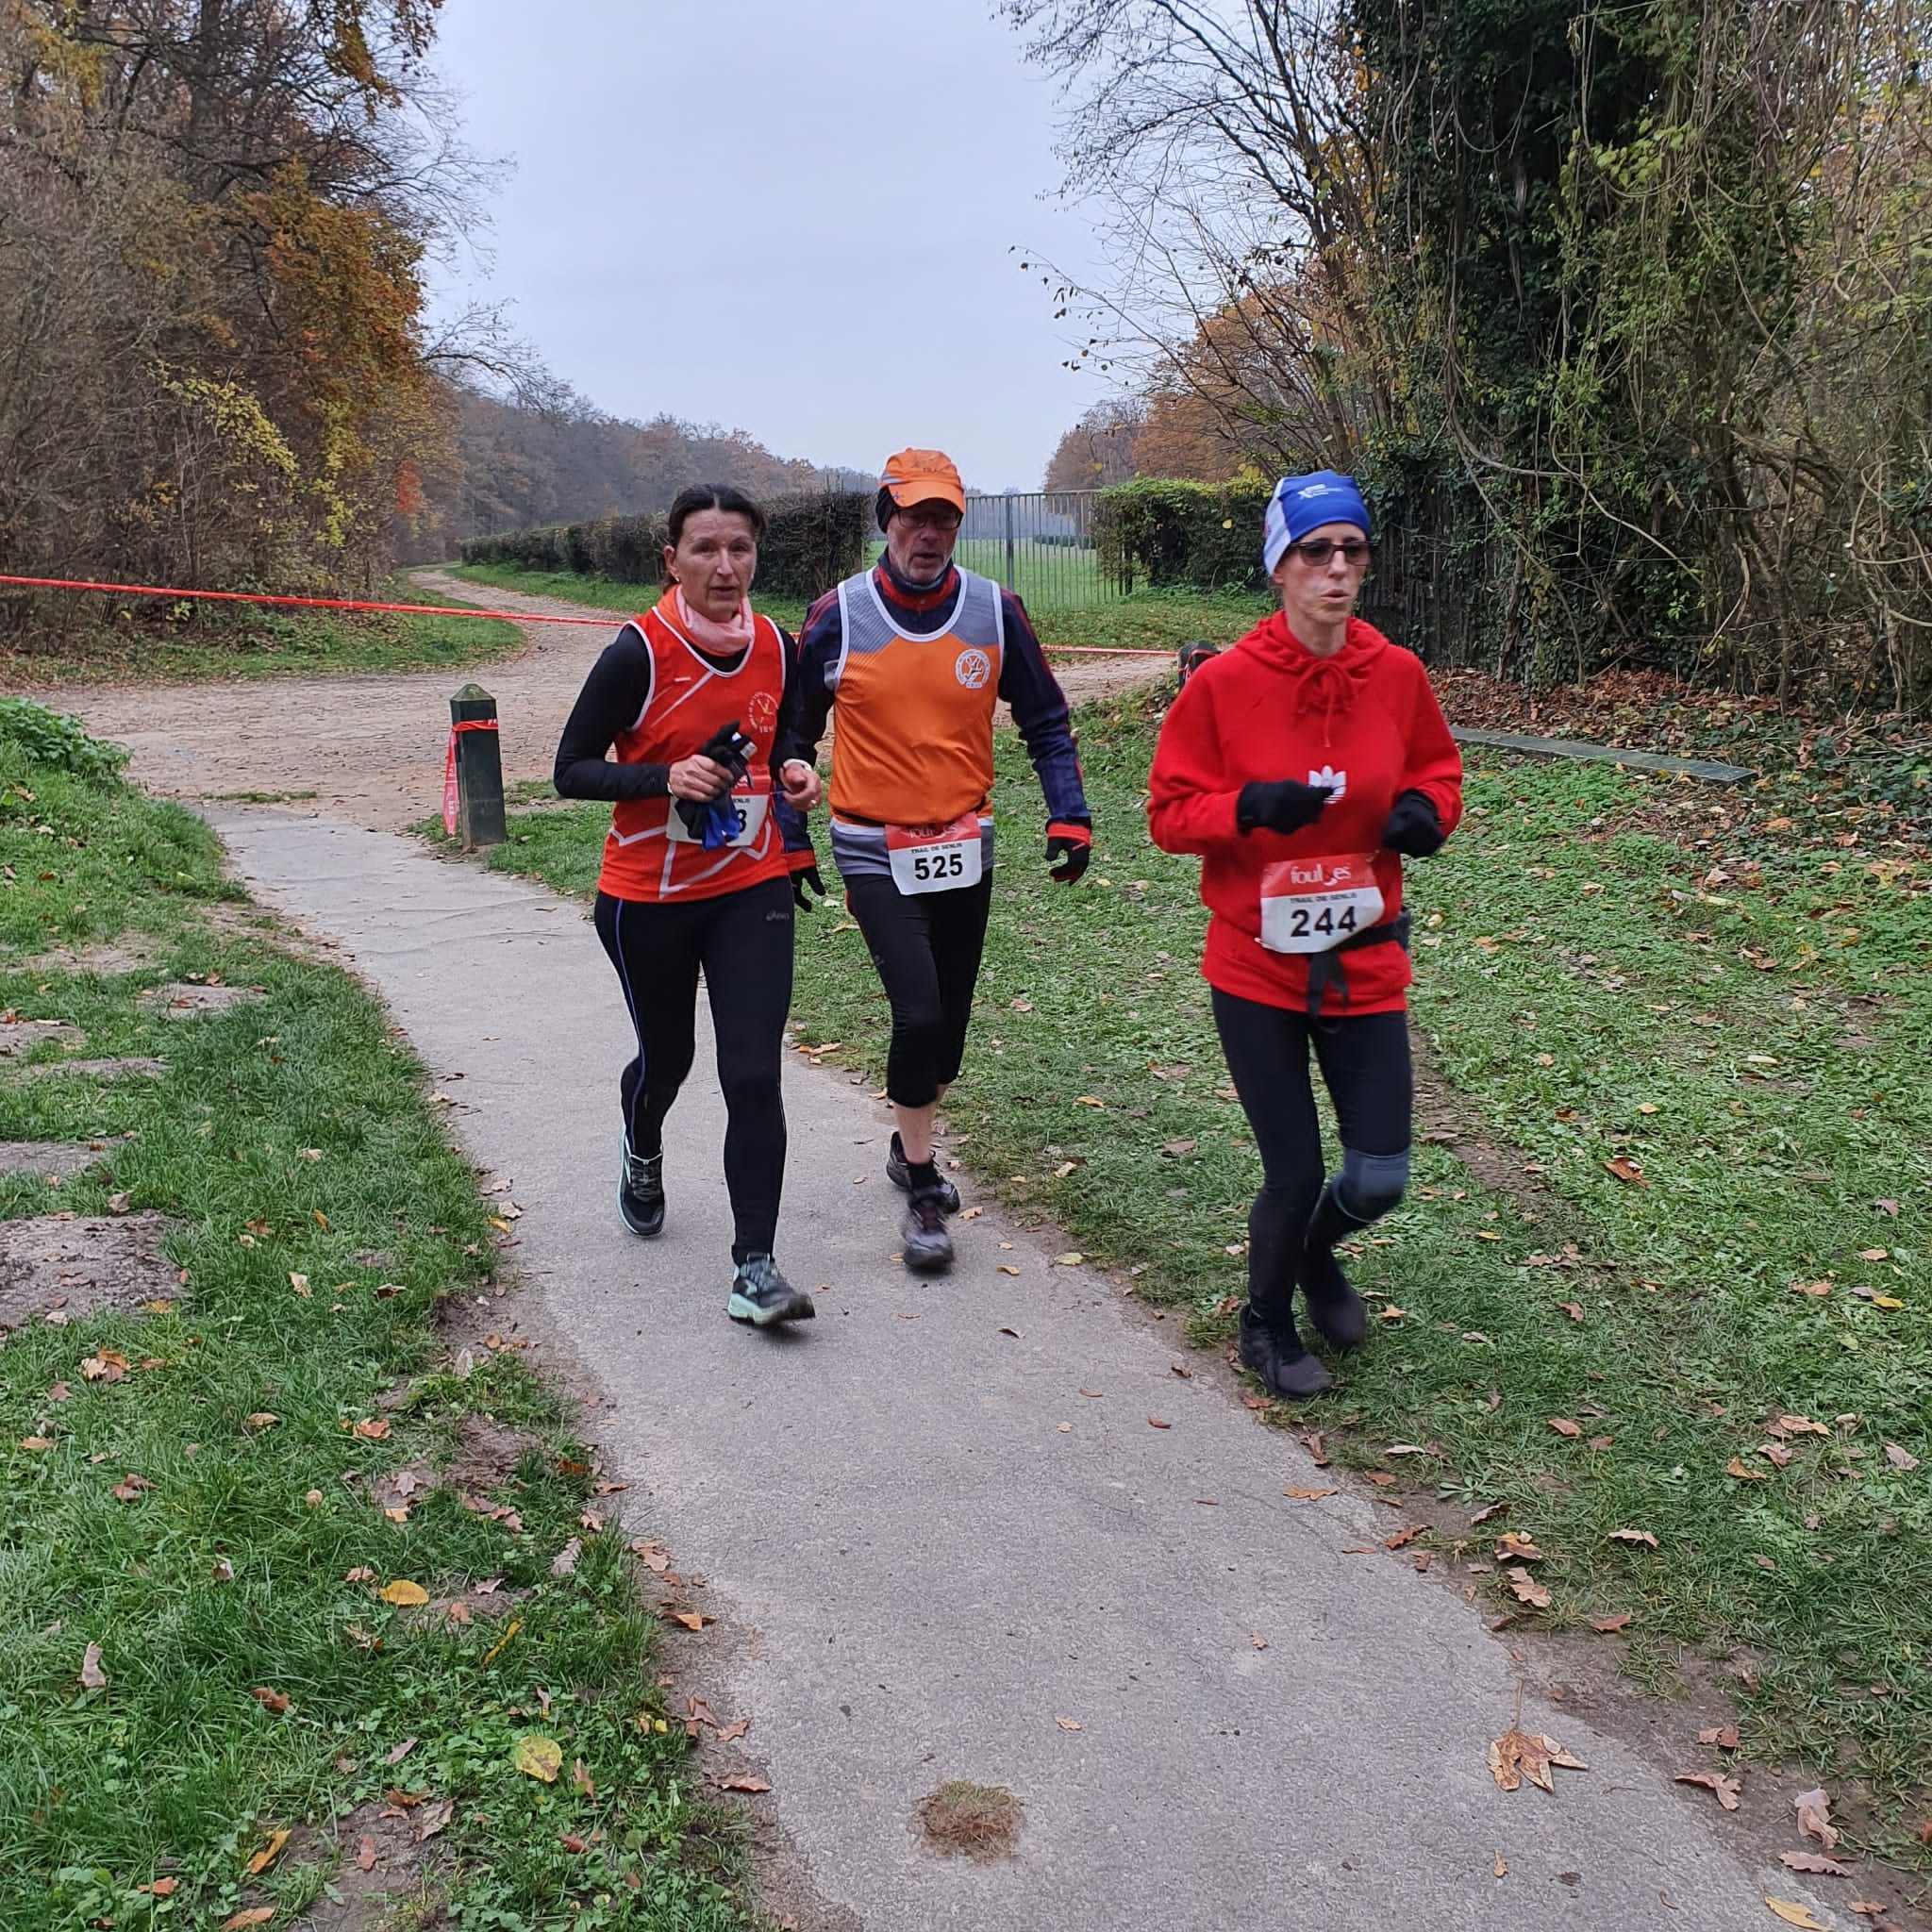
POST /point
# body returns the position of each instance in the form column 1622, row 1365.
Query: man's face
column 920, row 540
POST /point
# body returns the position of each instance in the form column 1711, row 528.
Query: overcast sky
column 790, row 219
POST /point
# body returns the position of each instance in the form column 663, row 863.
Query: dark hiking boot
column 641, row 1191
column 762, row 1296
column 925, row 1245
column 1333, row 1305
column 901, row 1178
column 1276, row 1355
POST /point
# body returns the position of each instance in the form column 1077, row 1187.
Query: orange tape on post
column 449, row 770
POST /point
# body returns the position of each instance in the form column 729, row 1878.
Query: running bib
column 1310, row 905
column 935, row 858
column 751, row 809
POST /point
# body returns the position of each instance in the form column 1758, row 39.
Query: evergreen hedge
column 810, row 542
column 1173, row 535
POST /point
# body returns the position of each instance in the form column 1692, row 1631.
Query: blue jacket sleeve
column 818, row 645
column 1039, row 712
column 787, row 743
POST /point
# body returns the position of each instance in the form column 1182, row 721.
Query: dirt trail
column 369, row 748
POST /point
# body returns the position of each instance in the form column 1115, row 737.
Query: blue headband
column 1300, row 503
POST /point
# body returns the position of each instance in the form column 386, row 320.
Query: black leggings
column 1365, row 1066
column 926, row 946
column 742, row 941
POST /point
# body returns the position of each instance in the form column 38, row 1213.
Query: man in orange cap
column 912, row 656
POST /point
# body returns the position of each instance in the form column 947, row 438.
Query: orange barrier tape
column 428, row 609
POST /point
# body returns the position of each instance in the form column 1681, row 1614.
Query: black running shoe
column 1276, row 1355
column 762, row 1296
column 1333, row 1305
column 925, row 1245
column 641, row 1191
column 901, row 1178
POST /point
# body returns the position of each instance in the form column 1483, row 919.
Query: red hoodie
column 1365, row 721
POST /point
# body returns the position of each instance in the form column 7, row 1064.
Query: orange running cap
column 923, row 475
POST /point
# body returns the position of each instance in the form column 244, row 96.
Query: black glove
column 1194, row 654
column 1069, row 847
column 1282, row 805
column 715, row 821
column 1413, row 827
column 806, row 878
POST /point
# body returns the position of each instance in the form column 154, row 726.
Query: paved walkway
column 935, row 1554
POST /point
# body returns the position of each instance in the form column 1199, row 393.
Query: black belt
column 1326, row 967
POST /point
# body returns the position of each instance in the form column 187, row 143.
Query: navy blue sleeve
column 1039, row 712
column 613, row 698
column 818, row 645
column 787, row 742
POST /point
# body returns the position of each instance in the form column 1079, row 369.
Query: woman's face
column 1317, row 596
column 715, row 562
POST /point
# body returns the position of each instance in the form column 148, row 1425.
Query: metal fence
column 1040, row 544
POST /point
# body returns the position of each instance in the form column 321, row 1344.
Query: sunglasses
column 1318, row 550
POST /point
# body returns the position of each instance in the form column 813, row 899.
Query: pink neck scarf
column 709, row 635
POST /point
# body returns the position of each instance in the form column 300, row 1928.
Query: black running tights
column 926, row 946
column 1365, row 1066
column 742, row 941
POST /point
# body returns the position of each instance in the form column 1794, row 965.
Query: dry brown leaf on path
column 1608, row 1627
column 1564, row 1426
column 565, row 1561
column 1500, row 1867
column 1723, row 1736
column 1734, row 1467
column 1511, row 1547
column 1625, row 1169
column 276, row 1701
column 434, row 1818
column 1153, row 1421
column 399, row 1752
column 92, row 1676
column 1900, row 1459
column 1527, row 1589
column 365, row 1855
column 269, row 1852
column 1814, row 1861
column 251, row 1915
column 1519, row 1755
column 1814, row 1818
column 1795, row 1914
column 1633, row 1536
column 729, row 1733
column 741, row 1781
column 405, row 1594
column 1725, row 1790
column 1068, row 1724
column 692, row 1619
column 1307, row 1495
column 372, row 1430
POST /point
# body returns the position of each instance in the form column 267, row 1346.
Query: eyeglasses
column 922, row 518
column 1318, row 550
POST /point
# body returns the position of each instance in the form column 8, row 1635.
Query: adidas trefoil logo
column 1337, row 781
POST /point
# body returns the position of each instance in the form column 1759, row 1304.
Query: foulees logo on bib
column 1336, row 781
column 973, row 668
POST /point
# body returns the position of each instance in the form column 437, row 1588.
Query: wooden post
column 479, row 770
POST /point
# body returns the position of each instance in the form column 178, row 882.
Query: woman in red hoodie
column 1302, row 764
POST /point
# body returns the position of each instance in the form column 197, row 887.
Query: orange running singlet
column 650, row 853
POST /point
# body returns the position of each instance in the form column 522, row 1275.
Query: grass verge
column 212, row 1690
column 1681, row 1285
column 149, row 642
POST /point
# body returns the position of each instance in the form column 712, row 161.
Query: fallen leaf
column 365, row 1855
column 276, row 1701
column 432, row 1819
column 269, row 1852
column 1796, row 1915
column 251, row 1915
column 162, row 1887
column 1573, row 1309
column 1178, row 1147
column 1510, row 1547
column 1519, row 1755
column 1153, row 1421
column 1402, row 1538
column 1817, row 1290
column 1014, row 1332
column 741, row 1781
column 1886, row 1301
column 1874, row 1255
column 262, row 1419
column 1527, row 1589
column 110, row 1365
column 1734, row 1467
column 565, row 1561
column 1814, row 1818
column 129, row 1489
column 1725, row 1788
column 538, row 1756
column 224, row 1570
column 1814, row 1861
column 1610, row 1626
column 1633, row 1536
column 92, row 1676
column 405, row 1594
column 1006, row 1268
column 1317, row 1446
column 1564, row 1426
column 360, row 1573
column 1307, row 1495
column 1723, row 1736
column 692, row 1619
column 1072, row 1259
column 300, row 1284
column 1626, row 1169
column 1067, row 1724
column 373, row 1429
column 1900, row 1459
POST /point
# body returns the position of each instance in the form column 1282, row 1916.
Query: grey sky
column 790, row 219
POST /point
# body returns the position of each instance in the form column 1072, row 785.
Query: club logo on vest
column 1337, row 781
column 762, row 714
column 973, row 668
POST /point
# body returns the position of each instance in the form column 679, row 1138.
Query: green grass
column 1153, row 619
column 1610, row 968
column 142, row 640
column 321, row 1217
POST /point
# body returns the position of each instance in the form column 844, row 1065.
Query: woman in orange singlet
column 688, row 724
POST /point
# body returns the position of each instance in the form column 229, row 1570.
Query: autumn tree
column 1099, row 448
